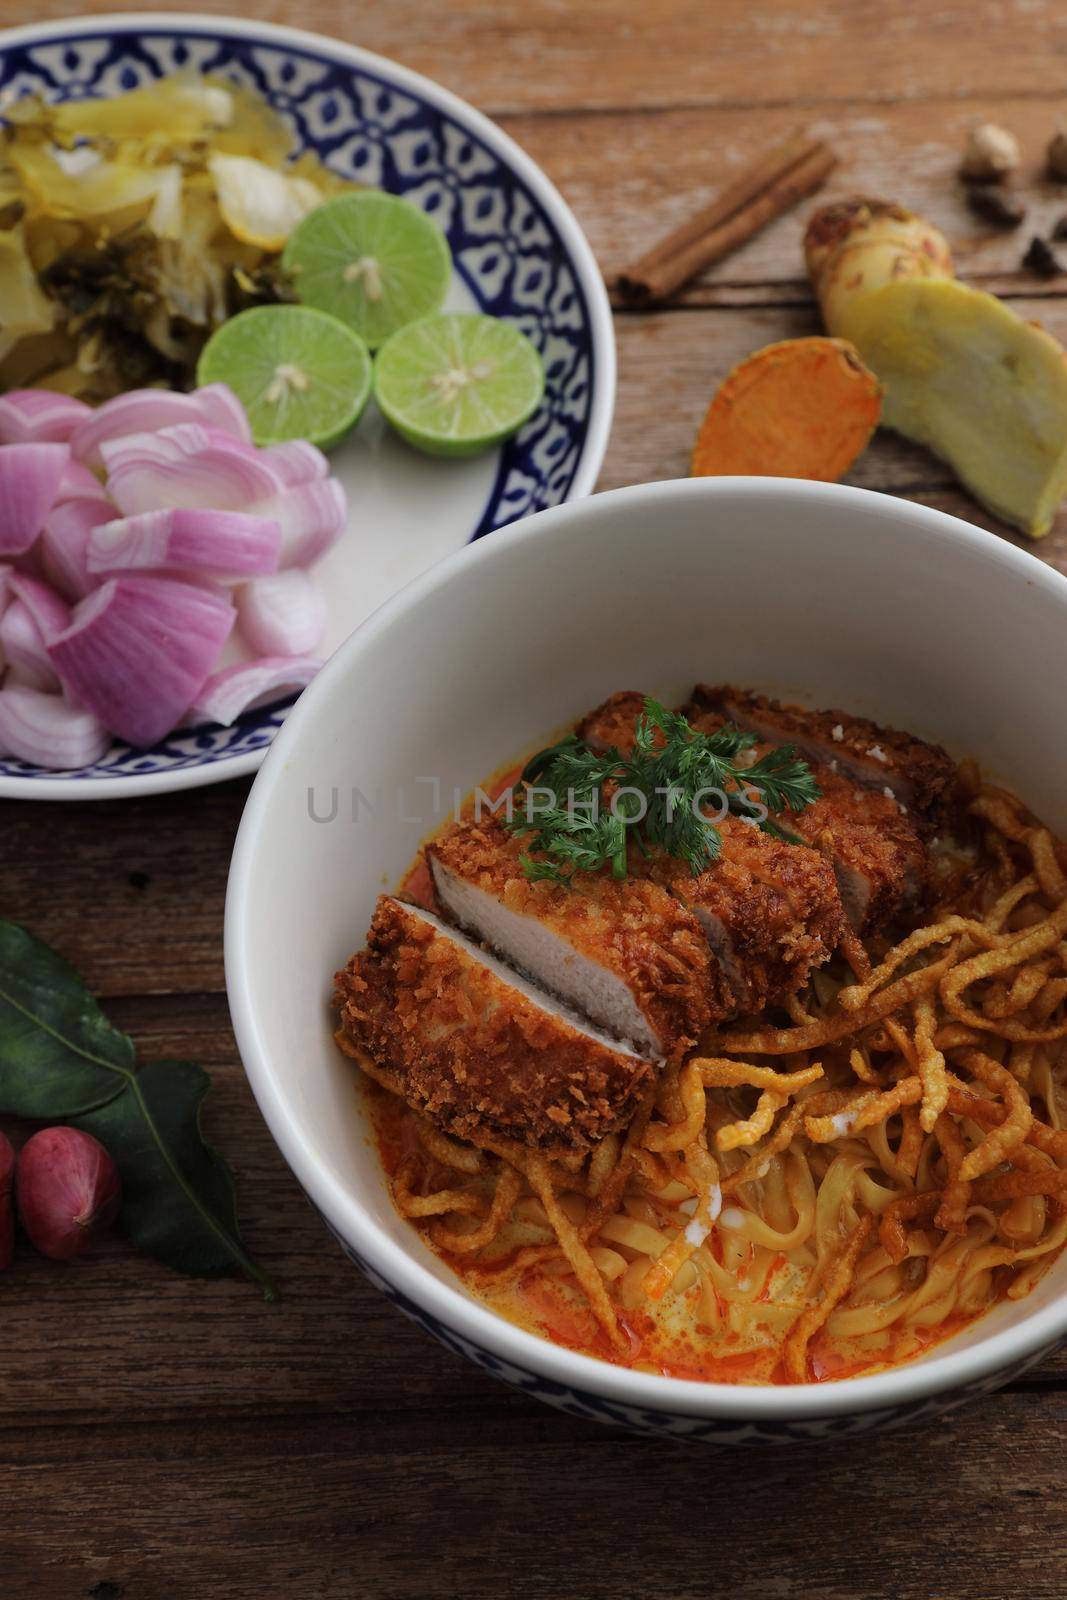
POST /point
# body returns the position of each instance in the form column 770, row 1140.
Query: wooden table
column 167, row 1439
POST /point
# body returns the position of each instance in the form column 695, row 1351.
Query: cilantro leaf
column 585, row 809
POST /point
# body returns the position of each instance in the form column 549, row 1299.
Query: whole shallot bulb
column 68, row 1191
column 7, row 1208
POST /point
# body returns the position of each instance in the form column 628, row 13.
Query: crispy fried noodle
column 791, row 1203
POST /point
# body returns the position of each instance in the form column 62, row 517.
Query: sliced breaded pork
column 624, row 953
column 879, row 857
column 611, row 725
column 770, row 910
column 476, row 1047
column 921, row 776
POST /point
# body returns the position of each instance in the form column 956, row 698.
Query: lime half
column 372, row 260
column 299, row 373
column 457, row 383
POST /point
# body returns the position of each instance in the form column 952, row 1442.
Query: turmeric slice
column 804, row 408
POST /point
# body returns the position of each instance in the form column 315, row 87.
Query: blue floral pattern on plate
column 505, row 245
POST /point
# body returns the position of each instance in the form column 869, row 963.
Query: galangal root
column 962, row 373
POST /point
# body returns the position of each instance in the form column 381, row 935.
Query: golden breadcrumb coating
column 921, row 775
column 878, row 853
column 474, row 1053
column 869, row 837
column 774, row 908
column 631, row 927
column 611, row 725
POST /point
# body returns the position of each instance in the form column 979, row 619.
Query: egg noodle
column 809, row 1201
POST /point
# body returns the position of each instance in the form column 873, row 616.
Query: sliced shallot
column 281, row 615
column 188, row 467
column 23, row 651
column 296, row 461
column 228, row 693
column 49, row 611
column 221, row 408
column 311, row 516
column 64, row 543
column 33, row 618
column 39, row 416
column 146, row 410
column 46, row 731
column 190, row 508
column 78, row 483
column 138, row 651
column 29, row 478
column 230, row 543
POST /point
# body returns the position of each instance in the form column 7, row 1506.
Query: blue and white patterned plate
column 518, row 252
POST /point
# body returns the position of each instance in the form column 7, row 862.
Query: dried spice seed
column 1041, row 258
column 1002, row 207
column 1056, row 156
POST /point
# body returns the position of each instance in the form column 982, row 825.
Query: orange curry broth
column 538, row 1302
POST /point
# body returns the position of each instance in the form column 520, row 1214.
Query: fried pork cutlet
column 921, row 776
column 878, row 854
column 623, row 952
column 770, row 910
column 473, row 1045
column 611, row 726
column 879, row 858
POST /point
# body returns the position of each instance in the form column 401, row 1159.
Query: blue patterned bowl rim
column 528, row 480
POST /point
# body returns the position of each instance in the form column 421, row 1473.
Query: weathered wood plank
column 610, row 53
column 131, row 891
column 516, row 1501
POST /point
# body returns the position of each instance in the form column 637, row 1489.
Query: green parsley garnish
column 585, row 807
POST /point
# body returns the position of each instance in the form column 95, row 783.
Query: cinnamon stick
column 765, row 190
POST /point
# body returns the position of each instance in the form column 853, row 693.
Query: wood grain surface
column 165, row 1439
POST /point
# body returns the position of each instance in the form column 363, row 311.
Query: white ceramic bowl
column 831, row 595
